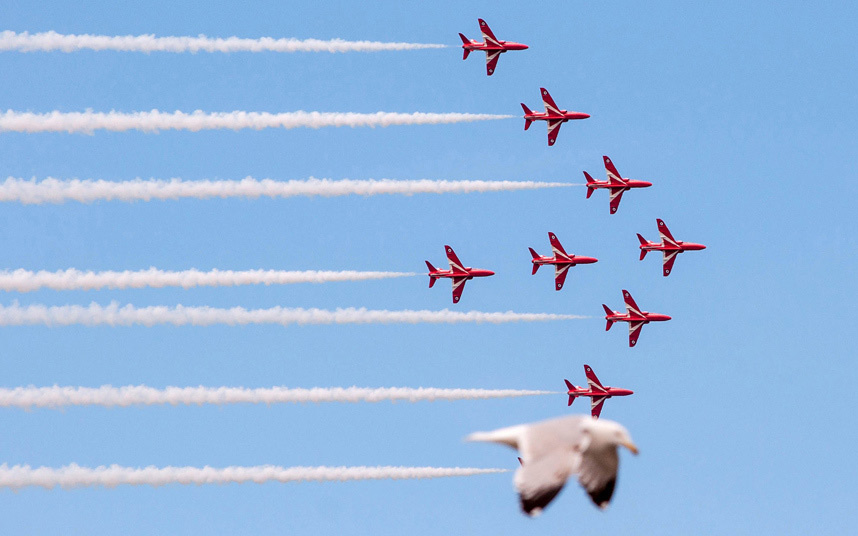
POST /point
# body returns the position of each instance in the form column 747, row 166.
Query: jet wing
column 559, row 252
column 553, row 130
column 560, row 271
column 634, row 332
column 488, row 35
column 666, row 237
column 492, row 57
column 458, row 287
column 614, row 176
column 596, row 404
column 551, row 109
column 616, row 197
column 455, row 264
column 592, row 380
column 669, row 258
column 632, row 307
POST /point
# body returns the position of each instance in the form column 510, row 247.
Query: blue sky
column 744, row 118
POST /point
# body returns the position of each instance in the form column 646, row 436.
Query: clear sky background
column 743, row 115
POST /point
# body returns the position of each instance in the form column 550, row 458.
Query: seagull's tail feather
column 507, row 436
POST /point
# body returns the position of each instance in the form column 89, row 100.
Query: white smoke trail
column 154, row 121
column 75, row 476
column 52, row 190
column 133, row 395
column 128, row 315
column 53, row 41
column 26, row 281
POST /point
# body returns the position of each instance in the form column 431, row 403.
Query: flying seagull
column 553, row 450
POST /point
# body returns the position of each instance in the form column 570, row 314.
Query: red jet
column 669, row 246
column 597, row 392
column 561, row 260
column 554, row 115
column 493, row 46
column 615, row 183
column 458, row 272
column 634, row 316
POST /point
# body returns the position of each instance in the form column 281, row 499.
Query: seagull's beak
column 632, row 447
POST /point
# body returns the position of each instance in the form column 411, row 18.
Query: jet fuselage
column 646, row 318
column 573, row 260
column 470, row 273
column 503, row 47
column 680, row 247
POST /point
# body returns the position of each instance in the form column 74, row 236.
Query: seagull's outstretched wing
column 539, row 482
column 597, row 473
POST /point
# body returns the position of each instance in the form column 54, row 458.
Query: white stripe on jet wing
column 458, row 281
column 616, row 191
column 560, row 254
column 667, row 240
column 559, row 269
column 594, row 385
column 453, row 265
column 490, row 40
column 551, row 109
column 552, row 125
column 634, row 326
column 490, row 56
column 629, row 309
column 669, row 255
column 615, row 177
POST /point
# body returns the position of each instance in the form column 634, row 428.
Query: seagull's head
column 610, row 434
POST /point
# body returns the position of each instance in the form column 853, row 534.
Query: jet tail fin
column 609, row 312
column 570, row 387
column 431, row 269
column 643, row 242
column 589, row 182
column 466, row 41
column 535, row 256
column 527, row 111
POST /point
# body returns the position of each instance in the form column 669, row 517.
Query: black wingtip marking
column 534, row 505
column 602, row 496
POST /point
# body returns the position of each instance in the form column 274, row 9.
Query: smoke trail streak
column 154, row 121
column 71, row 279
column 75, row 476
column 141, row 395
column 128, row 315
column 52, row 190
column 53, row 41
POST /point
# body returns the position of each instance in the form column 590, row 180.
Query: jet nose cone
column 489, row 272
column 645, row 184
column 524, row 47
column 585, row 116
column 667, row 317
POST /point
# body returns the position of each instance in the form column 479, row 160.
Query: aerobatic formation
column 550, row 452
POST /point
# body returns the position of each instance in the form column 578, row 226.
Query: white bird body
column 553, row 450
